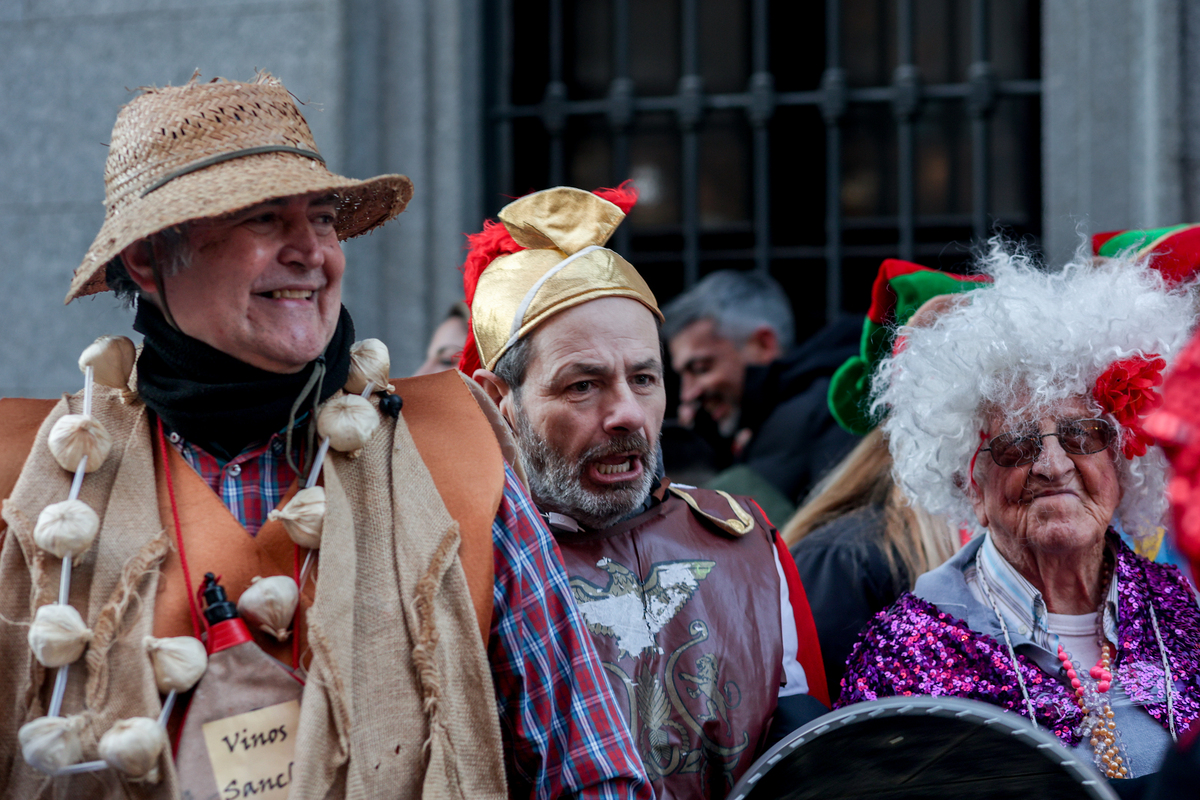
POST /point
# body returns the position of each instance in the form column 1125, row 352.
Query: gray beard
column 556, row 482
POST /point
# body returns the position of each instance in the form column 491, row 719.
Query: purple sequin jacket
column 940, row 641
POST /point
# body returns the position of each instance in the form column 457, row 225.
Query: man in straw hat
column 439, row 648
column 694, row 604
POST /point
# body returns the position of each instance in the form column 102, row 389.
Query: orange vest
column 444, row 425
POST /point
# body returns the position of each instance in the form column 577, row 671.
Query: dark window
column 808, row 139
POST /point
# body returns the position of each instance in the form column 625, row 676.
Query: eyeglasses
column 1077, row 436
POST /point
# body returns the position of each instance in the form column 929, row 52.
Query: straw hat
column 203, row 150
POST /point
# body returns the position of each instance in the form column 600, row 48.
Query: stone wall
column 394, row 86
column 1120, row 109
column 389, row 86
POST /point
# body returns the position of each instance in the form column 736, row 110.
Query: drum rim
column 951, row 707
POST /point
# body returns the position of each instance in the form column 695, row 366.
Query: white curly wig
column 1030, row 340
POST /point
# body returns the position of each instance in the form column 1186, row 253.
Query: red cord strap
column 983, row 437
column 296, row 617
column 194, row 606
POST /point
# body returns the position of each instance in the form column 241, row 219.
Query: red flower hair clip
column 1127, row 391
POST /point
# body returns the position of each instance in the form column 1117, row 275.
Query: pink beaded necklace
column 1099, row 726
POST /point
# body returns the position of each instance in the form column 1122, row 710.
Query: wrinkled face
column 445, row 347
column 1060, row 503
column 264, row 284
column 590, row 410
column 712, row 371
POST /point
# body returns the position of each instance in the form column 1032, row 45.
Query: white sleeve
column 795, row 681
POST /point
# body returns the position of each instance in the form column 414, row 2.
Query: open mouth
column 289, row 294
column 617, row 469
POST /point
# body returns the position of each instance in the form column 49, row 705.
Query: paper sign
column 252, row 753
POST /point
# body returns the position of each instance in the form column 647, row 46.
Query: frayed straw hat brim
column 231, row 186
column 199, row 151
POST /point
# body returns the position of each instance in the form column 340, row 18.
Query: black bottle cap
column 391, row 405
column 218, row 608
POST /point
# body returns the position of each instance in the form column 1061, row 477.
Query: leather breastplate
column 685, row 617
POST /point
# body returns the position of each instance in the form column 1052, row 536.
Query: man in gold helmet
column 413, row 634
column 564, row 337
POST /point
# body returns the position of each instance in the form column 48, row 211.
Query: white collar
column 1020, row 602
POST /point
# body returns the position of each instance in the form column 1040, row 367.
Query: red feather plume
column 495, row 241
column 483, row 248
column 624, row 196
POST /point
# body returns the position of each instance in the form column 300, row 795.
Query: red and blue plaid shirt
column 562, row 730
column 251, row 484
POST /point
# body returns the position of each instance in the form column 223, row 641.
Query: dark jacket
column 845, row 573
column 796, row 440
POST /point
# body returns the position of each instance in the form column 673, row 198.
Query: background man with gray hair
column 731, row 341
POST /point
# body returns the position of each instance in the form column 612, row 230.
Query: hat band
column 217, row 159
column 519, row 317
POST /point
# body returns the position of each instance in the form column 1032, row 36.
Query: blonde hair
column 913, row 540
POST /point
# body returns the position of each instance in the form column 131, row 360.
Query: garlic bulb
column 179, row 661
column 270, row 603
column 66, row 528
column 133, row 746
column 58, row 635
column 369, row 363
column 51, row 743
column 303, row 517
column 111, row 359
column 75, row 436
column 348, row 421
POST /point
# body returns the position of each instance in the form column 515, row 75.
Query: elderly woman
column 1019, row 412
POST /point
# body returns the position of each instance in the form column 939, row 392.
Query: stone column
column 413, row 101
column 1113, row 116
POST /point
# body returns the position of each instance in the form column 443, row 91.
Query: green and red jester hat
column 1174, row 251
column 900, row 288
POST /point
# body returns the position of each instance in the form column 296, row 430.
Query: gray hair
column 514, row 363
column 175, row 249
column 738, row 303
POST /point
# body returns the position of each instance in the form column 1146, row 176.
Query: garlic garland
column 51, row 743
column 66, row 528
column 179, row 662
column 58, row 635
column 303, row 516
column 270, row 603
column 111, row 359
column 348, row 420
column 133, row 746
column 77, row 435
column 369, row 363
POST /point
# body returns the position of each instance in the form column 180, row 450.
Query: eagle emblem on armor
column 634, row 612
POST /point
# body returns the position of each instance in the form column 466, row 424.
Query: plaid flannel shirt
column 250, row 485
column 562, row 732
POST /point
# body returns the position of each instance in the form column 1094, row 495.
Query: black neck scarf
column 218, row 402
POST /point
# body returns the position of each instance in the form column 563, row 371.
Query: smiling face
column 264, row 284
column 711, row 368
column 590, row 409
column 1059, row 504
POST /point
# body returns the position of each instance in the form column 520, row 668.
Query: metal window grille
column 540, row 124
